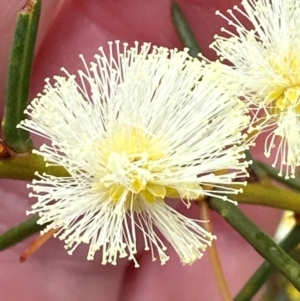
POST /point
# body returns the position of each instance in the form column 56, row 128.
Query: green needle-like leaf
column 262, row 243
column 184, row 30
column 264, row 271
column 19, row 75
column 20, row 232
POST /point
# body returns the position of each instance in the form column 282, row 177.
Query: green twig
column 214, row 254
column 24, row 166
column 184, row 30
column 263, row 244
column 20, row 232
column 264, row 271
column 19, row 75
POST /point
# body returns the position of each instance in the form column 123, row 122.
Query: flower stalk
column 36, row 244
column 214, row 255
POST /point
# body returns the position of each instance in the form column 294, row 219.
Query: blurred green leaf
column 184, row 30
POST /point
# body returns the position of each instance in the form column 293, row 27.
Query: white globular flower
column 139, row 125
column 266, row 65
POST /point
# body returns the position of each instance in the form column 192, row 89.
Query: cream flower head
column 131, row 131
column 266, row 66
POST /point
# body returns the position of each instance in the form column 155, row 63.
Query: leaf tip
column 29, row 7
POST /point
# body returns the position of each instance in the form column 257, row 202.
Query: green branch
column 24, row 166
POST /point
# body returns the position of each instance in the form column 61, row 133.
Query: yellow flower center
column 287, row 93
column 282, row 99
column 137, row 165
